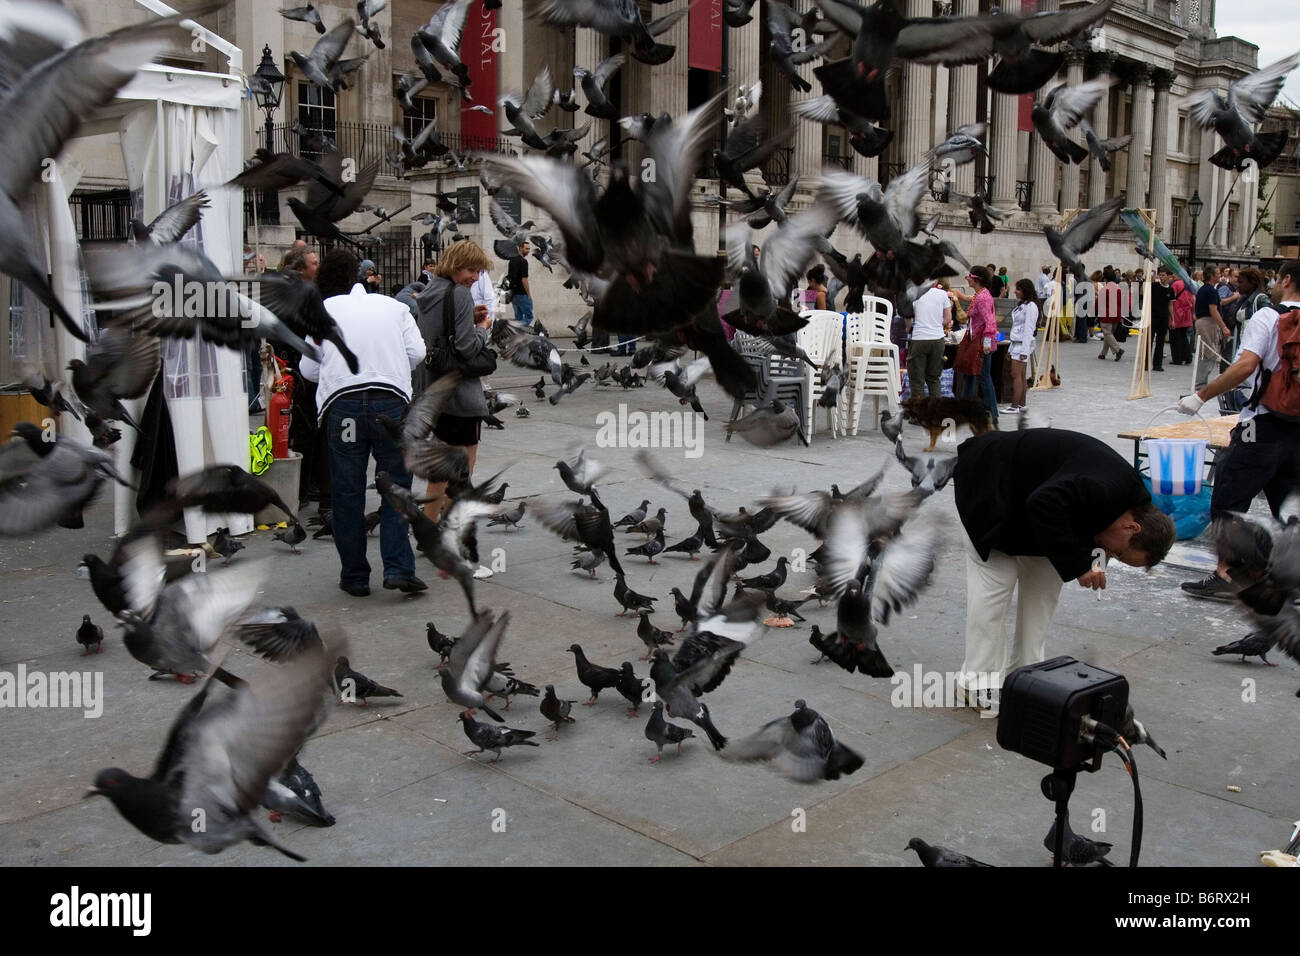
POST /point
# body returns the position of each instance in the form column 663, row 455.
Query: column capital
column 1162, row 79
column 1075, row 55
column 1135, row 73
column 1102, row 63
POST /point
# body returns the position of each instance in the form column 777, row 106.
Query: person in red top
column 983, row 328
column 1110, row 309
column 1182, row 317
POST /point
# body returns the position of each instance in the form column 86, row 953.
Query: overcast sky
column 1272, row 25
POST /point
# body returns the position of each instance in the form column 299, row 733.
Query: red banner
column 1026, row 123
column 479, row 50
column 706, row 35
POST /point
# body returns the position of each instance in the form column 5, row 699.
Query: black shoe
column 411, row 585
column 1211, row 587
column 356, row 590
column 1119, row 355
column 1158, row 368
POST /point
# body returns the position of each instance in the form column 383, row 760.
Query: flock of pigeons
column 626, row 241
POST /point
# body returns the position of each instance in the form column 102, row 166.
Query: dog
column 939, row 414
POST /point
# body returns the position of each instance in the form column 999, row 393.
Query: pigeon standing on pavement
column 1078, row 850
column 650, row 635
column 225, row 545
column 594, row 677
column 659, row 732
column 631, row 687
column 353, row 686
column 652, row 547
column 556, row 711
column 629, row 599
column 292, row 536
column 491, row 737
column 90, row 635
column 294, row 792
column 1256, row 644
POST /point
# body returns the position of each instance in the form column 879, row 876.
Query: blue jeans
column 353, row 435
column 983, row 383
column 523, row 307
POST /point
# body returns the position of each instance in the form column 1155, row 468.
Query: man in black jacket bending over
column 1041, row 507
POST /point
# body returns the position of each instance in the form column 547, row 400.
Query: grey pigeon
column 355, row 686
column 1082, row 234
column 292, row 536
column 471, row 663
column 490, row 737
column 1255, row 644
column 650, row 635
column 940, row 855
column 294, row 792
column 1078, row 850
column 555, row 710
column 90, row 636
column 220, row 757
column 659, row 732
column 317, row 66
column 768, row 425
column 307, row 14
column 1234, row 116
column 800, row 746
column 593, row 86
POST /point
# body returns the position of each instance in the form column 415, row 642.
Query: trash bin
column 283, row 476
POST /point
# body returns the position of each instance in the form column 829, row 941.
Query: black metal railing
column 397, row 254
column 102, row 215
column 835, row 159
column 984, row 186
column 1024, row 193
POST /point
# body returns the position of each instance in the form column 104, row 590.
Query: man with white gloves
column 1264, row 453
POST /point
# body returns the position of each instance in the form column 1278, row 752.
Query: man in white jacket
column 388, row 345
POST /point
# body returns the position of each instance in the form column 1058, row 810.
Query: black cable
column 1130, row 761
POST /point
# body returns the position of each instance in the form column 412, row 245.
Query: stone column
column 916, row 120
column 667, row 82
column 1002, row 148
column 589, row 49
column 1158, row 198
column 1136, row 180
column 962, row 90
column 1070, row 173
column 1100, row 123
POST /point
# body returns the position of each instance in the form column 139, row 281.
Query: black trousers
column 1159, row 329
column 1263, row 455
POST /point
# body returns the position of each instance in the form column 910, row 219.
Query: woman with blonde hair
column 461, row 420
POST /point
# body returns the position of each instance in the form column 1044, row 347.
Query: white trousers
column 989, row 586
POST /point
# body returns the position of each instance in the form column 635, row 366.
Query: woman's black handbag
column 442, row 357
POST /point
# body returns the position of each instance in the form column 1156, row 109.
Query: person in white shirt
column 484, row 294
column 1024, row 326
column 1264, row 451
column 1044, row 287
column 931, row 320
column 388, row 345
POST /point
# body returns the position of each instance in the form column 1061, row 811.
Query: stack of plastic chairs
column 778, row 377
column 872, row 362
column 821, row 339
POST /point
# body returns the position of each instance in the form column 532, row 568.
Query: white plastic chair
column 873, row 363
column 821, row 339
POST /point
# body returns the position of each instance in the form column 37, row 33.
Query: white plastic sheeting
column 181, row 131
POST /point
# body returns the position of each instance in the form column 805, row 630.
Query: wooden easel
column 1056, row 310
column 1141, row 387
column 1051, row 350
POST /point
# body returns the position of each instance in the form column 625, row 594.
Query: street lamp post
column 267, row 85
column 1194, row 207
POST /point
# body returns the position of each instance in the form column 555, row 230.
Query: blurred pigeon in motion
column 801, row 746
column 470, row 667
column 294, row 792
column 307, row 14
column 366, row 10
column 613, row 18
column 1234, row 116
column 1061, row 110
column 225, row 545
column 220, row 757
column 118, row 365
column 768, row 425
column 593, row 86
column 44, row 483
column 318, row 66
column 1082, row 234
column 174, row 222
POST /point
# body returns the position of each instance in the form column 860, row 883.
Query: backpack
column 1280, row 388
column 1183, row 310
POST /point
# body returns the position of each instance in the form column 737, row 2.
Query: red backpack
column 1282, row 390
column 1183, row 311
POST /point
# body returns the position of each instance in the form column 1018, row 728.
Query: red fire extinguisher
column 280, row 413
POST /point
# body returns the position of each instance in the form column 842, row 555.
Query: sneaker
column 483, row 572
column 356, row 590
column 407, row 585
column 1101, row 357
column 1211, row 587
